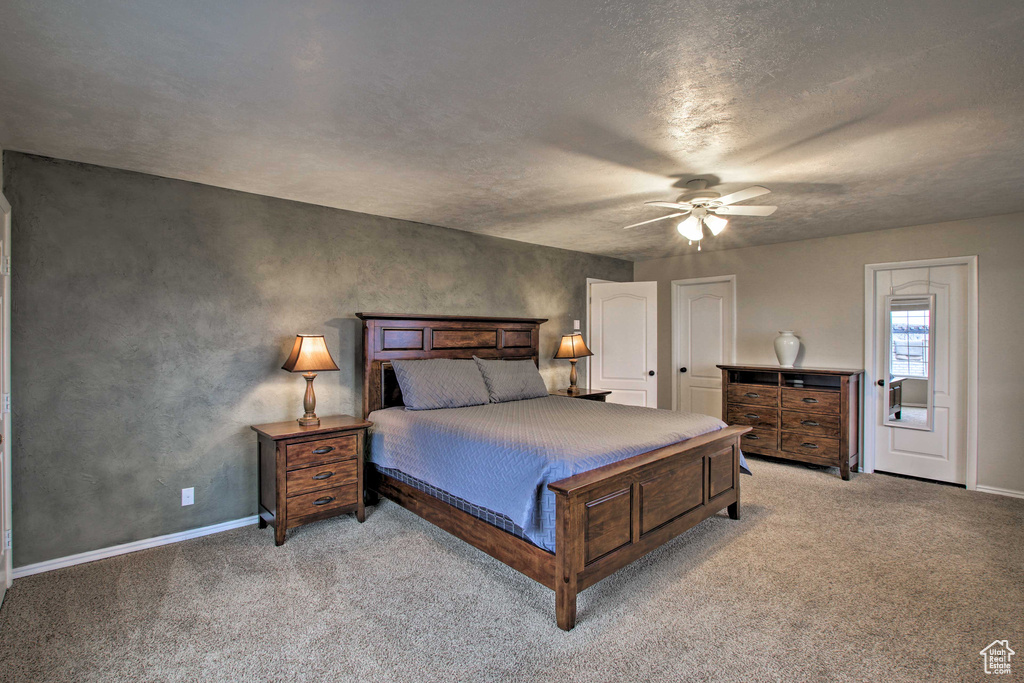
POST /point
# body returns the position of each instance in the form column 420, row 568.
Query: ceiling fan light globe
column 715, row 224
column 690, row 228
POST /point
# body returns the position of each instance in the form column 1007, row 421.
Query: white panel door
column 703, row 337
column 939, row 453
column 624, row 341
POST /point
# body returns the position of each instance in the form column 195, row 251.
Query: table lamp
column 309, row 356
column 572, row 348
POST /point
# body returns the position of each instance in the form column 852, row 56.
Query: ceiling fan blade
column 671, row 205
column 654, row 220
column 743, row 210
column 743, row 195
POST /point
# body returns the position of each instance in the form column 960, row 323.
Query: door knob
column 682, row 369
column 880, row 382
column 650, row 373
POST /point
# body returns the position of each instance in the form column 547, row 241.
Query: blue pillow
column 511, row 380
column 440, row 383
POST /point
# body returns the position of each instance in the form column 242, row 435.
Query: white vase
column 787, row 346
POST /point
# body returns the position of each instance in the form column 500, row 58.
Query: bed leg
column 565, row 604
column 568, row 559
column 734, row 510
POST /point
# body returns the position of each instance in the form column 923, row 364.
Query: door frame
column 676, row 285
column 592, row 281
column 870, row 361
column 6, row 519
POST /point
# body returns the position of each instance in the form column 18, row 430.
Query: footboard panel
column 613, row 515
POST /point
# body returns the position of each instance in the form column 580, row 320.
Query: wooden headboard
column 413, row 336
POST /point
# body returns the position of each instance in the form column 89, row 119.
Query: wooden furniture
column 806, row 414
column 310, row 473
column 895, row 398
column 606, row 517
column 585, row 394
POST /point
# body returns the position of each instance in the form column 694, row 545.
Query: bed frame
column 607, row 517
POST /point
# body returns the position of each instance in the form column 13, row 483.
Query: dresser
column 310, row 473
column 807, row 414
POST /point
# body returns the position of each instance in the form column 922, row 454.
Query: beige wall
column 816, row 288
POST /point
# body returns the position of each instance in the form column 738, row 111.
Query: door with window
column 920, row 366
column 624, row 341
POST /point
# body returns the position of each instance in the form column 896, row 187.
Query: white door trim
column 676, row 285
column 6, row 519
column 590, row 281
column 871, row 396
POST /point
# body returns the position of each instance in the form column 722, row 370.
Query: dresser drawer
column 320, row 477
column 810, row 423
column 811, row 401
column 815, row 446
column 318, row 502
column 760, row 440
column 324, row 450
column 767, row 418
column 754, row 395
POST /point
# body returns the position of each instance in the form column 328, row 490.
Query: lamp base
column 309, row 403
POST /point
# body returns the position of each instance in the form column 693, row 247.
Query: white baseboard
column 103, row 553
column 1000, row 492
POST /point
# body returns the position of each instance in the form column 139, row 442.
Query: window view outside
column 909, row 353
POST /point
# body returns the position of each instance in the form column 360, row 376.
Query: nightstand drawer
column 811, row 401
column 324, row 450
column 319, row 502
column 321, row 477
column 754, row 395
column 815, row 446
column 810, row 423
column 754, row 416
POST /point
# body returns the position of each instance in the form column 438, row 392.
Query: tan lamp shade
column 309, row 354
column 572, row 346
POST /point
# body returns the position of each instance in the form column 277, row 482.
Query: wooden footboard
column 612, row 515
column 607, row 517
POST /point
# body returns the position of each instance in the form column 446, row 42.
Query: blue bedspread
column 502, row 456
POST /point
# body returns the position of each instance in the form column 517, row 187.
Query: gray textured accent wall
column 151, row 318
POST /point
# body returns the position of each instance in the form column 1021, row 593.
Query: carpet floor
column 875, row 579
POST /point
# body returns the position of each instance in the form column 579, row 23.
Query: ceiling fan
column 706, row 207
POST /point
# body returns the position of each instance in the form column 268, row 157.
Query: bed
column 619, row 501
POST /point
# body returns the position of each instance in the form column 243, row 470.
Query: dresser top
column 291, row 428
column 777, row 368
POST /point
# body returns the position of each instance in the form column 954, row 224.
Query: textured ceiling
column 548, row 121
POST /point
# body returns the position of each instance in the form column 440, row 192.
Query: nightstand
column 310, row 473
column 585, row 394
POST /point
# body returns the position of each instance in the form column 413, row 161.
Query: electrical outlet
column 188, row 496
column 575, row 324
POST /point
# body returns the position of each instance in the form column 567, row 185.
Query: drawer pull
column 810, row 423
column 810, row 400
column 751, row 394
column 323, row 475
column 751, row 416
column 325, row 449
column 323, row 501
column 808, row 444
column 755, row 437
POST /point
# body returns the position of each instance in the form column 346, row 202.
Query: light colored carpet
column 876, row 579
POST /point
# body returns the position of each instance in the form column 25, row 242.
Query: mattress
column 501, row 457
